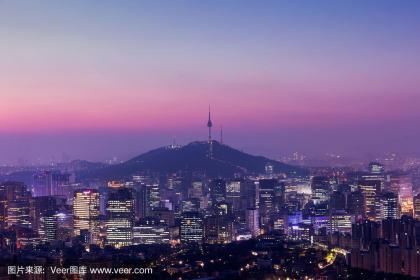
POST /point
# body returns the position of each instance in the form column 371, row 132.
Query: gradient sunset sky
column 98, row 79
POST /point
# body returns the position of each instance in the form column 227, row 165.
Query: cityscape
column 209, row 140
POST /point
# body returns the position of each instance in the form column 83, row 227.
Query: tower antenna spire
column 221, row 134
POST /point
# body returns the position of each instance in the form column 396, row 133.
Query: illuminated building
column 389, row 206
column 40, row 206
column 370, row 191
column 222, row 208
column 190, row 205
column 192, row 227
column 218, row 229
column 196, row 190
column 233, row 194
column 150, row 231
column 147, row 199
column 52, row 183
column 48, row 227
column 376, row 168
column 217, row 191
column 18, row 214
column 15, row 205
column 86, row 204
column 405, row 195
column 320, row 189
column 120, row 217
column 266, row 200
column 340, row 222
column 356, row 205
column 252, row 220
column 416, row 206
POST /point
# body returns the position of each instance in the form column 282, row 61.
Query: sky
column 101, row 79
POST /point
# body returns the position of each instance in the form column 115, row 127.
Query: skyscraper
column 370, row 190
column 120, row 217
column 252, row 221
column 86, row 209
column 389, row 206
column 416, row 204
column 15, row 204
column 192, row 227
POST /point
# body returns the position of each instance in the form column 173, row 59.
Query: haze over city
column 105, row 78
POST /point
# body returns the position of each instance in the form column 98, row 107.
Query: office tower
column 192, row 227
column 174, row 181
column 252, row 220
column 15, row 204
column 164, row 215
column 233, row 194
column 222, row 209
column 266, row 200
column 190, row 205
column 416, row 205
column 3, row 209
column 147, row 199
column 217, row 190
column 340, row 222
column 196, row 190
column 389, row 206
column 218, row 229
column 337, row 201
column 18, row 214
column 86, row 209
column 370, row 190
column 52, row 183
column 150, row 231
column 376, row 168
column 405, row 195
column 269, row 169
column 249, row 194
column 48, row 227
column 120, row 217
column 356, row 205
column 40, row 206
column 321, row 188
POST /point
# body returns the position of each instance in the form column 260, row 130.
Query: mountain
column 226, row 162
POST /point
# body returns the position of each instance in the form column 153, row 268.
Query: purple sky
column 116, row 78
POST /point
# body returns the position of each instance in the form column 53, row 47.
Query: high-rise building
column 370, row 190
column 48, row 227
column 40, row 206
column 252, row 220
column 233, row 194
column 266, row 200
column 340, row 221
column 416, row 204
column 218, row 229
column 217, row 190
column 150, row 231
column 389, row 206
column 190, row 205
column 18, row 214
column 120, row 217
column 321, row 189
column 86, row 210
column 192, row 227
column 52, row 183
column 356, row 205
column 405, row 195
column 147, row 199
column 15, row 205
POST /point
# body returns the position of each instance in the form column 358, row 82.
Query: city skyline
column 103, row 79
